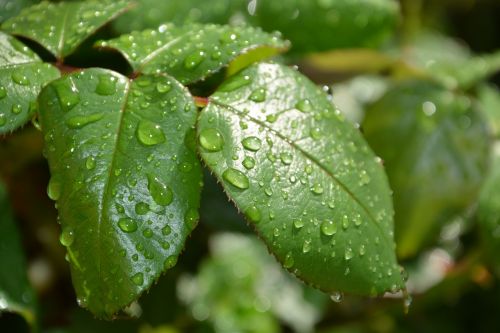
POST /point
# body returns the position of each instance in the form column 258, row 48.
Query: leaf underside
column 62, row 27
column 305, row 179
column 126, row 179
column 22, row 75
column 192, row 52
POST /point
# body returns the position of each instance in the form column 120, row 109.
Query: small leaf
column 489, row 97
column 193, row 52
column 22, row 75
column 305, row 179
column 314, row 26
column 62, row 27
column 488, row 208
column 16, row 294
column 435, row 147
column 125, row 177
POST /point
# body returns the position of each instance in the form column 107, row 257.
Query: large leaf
column 489, row 206
column 305, row 179
column 329, row 24
column 151, row 13
column 125, row 177
column 435, row 147
column 62, row 27
column 192, row 52
column 22, row 75
column 16, row 294
column 9, row 8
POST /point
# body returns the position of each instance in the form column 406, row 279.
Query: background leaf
column 16, row 294
column 22, row 76
column 75, row 22
column 9, row 8
column 435, row 147
column 192, row 52
column 304, row 177
column 126, row 183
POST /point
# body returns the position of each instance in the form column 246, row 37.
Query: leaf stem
column 201, row 102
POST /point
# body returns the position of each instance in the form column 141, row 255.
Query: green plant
column 128, row 131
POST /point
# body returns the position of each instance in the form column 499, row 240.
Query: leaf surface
column 62, row 27
column 305, row 179
column 126, row 179
column 16, row 294
column 435, row 147
column 22, row 75
column 193, row 52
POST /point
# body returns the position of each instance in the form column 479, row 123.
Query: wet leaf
column 193, row 52
column 9, row 8
column 125, row 177
column 435, row 146
column 62, row 27
column 16, row 294
column 305, row 179
column 489, row 97
column 22, row 75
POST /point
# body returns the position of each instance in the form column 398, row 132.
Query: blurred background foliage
column 419, row 77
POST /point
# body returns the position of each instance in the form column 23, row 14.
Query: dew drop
column 258, row 95
column 316, row 133
column 286, row 158
column 54, row 188
column 337, row 296
column 191, row 218
column 127, row 225
column 211, row 140
column 163, row 88
column 170, row 262
column 253, row 214
column 16, row 108
column 149, row 133
column 3, row 92
column 328, row 228
column 19, row 78
column 138, row 279
column 362, row 250
column 348, row 254
column 306, row 247
column 90, row 163
column 194, row 60
column 236, row 178
column 252, row 143
column 289, row 261
column 67, row 94
column 317, row 188
column 298, row 224
column 166, row 230
column 67, row 237
column 304, row 105
column 147, row 233
column 106, row 85
column 82, row 121
column 249, row 162
column 141, row 208
column 3, row 120
column 160, row 192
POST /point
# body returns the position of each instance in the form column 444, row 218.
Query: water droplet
column 307, row 246
column 67, row 237
column 163, row 87
column 127, row 225
column 348, row 254
column 194, row 60
column 304, row 105
column 160, row 192
column 345, row 222
column 3, row 92
column 166, row 230
column 298, row 224
column 253, row 214
column 317, row 188
column 252, row 143
column 191, row 218
column 67, row 94
column 364, row 178
column 149, row 133
column 286, row 158
column 329, row 228
column 82, row 121
column 54, row 188
column 289, row 261
column 337, row 296
column 3, row 120
column 236, row 178
column 16, row 108
column 362, row 250
column 258, row 95
column 211, row 140
column 138, row 279
column 148, row 233
column 249, row 162
column 90, row 163
column 19, row 78
column 316, row 133
column 106, row 85
column 170, row 262
column 141, row 208
column 235, row 83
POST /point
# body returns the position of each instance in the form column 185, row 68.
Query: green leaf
column 489, row 97
column 126, row 179
column 193, row 52
column 305, row 179
column 435, row 147
column 9, row 8
column 329, row 24
column 488, row 208
column 22, row 75
column 16, row 294
column 148, row 14
column 62, row 27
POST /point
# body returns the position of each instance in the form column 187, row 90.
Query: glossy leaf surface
column 16, row 294
column 435, row 146
column 22, row 76
column 305, row 179
column 126, row 179
column 9, row 8
column 62, row 27
column 329, row 24
column 193, row 52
